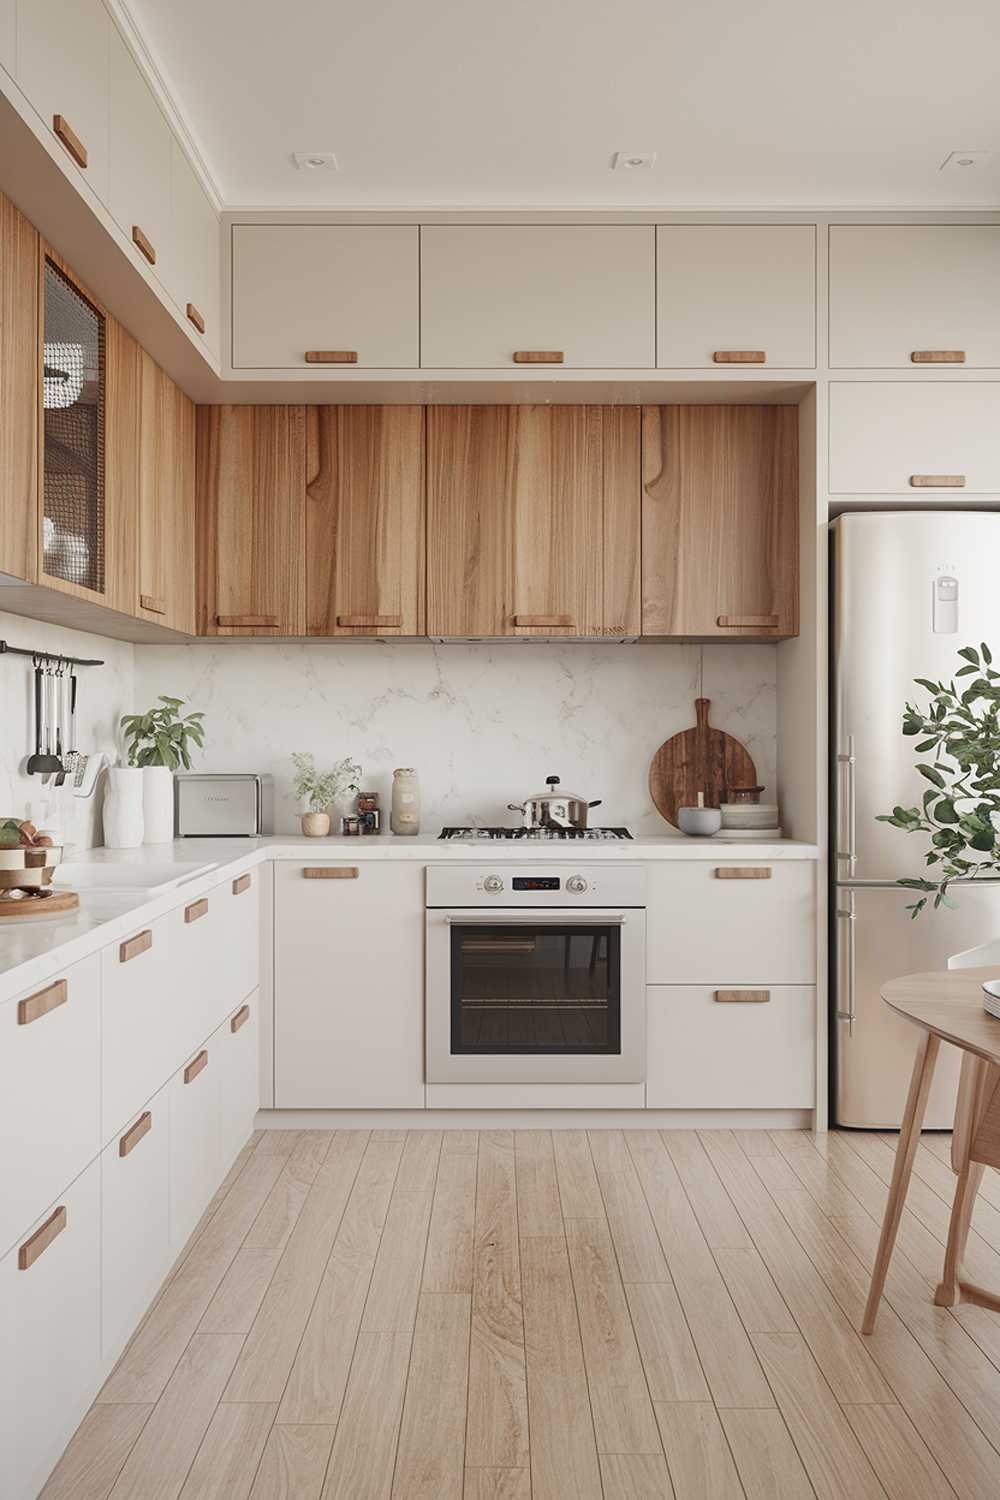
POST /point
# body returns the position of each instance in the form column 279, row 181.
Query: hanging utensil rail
column 49, row 656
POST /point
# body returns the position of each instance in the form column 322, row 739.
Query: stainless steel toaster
column 220, row 804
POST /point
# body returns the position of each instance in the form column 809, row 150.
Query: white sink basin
column 153, row 875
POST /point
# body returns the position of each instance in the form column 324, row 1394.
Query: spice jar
column 369, row 812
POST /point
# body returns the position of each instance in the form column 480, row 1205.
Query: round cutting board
column 701, row 759
column 55, row 904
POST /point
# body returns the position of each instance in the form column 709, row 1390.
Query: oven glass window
column 544, row 988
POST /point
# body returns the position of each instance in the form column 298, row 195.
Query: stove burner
column 487, row 835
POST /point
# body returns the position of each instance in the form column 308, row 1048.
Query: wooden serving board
column 40, row 906
column 701, row 759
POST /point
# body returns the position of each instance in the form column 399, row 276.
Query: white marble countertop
column 32, row 950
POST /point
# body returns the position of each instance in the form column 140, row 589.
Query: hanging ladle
column 43, row 762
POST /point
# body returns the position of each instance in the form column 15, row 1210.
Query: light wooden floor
column 498, row 1316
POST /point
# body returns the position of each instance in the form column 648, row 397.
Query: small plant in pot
column 159, row 742
column 322, row 789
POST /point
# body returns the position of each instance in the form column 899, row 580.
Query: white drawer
column 50, row 1091
column 143, row 1018
column 734, row 289
column 135, row 1245
column 194, row 1140
column 733, row 928
column 240, row 900
column 883, row 434
column 50, row 1335
column 236, row 1048
column 737, row 1052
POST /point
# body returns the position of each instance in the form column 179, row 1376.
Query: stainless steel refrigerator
column 909, row 589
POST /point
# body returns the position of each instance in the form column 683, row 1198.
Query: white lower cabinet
column 135, row 1242
column 236, row 1051
column 50, row 1335
column 141, row 1019
column 195, row 1157
column 750, row 1047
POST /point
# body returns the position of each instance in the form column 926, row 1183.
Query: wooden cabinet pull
column 331, row 356
column 195, row 317
column 153, row 603
column 38, row 1005
column 937, row 481
column 133, row 1136
column 196, row 1065
column 65, row 133
column 538, row 356
column 241, row 1018
column 938, row 357
column 241, row 884
column 371, row 622
column 196, row 910
column 748, row 622
column 241, row 622
column 133, row 946
column 743, row 872
column 546, row 622
column 739, row 357
column 331, row 872
column 42, row 1238
column 742, row 997
column 144, row 243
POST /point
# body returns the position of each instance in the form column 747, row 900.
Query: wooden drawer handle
column 241, row 1018
column 196, row 1065
column 371, row 622
column 538, row 356
column 195, row 317
column 132, row 1137
column 153, row 603
column 743, row 872
column 739, row 357
column 65, row 133
column 937, row 481
column 331, row 872
column 196, row 910
column 938, row 357
column 241, row 883
column 42, row 1238
column 546, row 622
column 245, row 622
column 36, row 1006
column 141, row 943
column 331, row 356
column 748, row 622
column 742, row 997
column 144, row 243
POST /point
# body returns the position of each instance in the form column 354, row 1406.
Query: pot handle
column 515, row 807
column 597, row 803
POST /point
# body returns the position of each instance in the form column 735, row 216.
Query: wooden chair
column 975, row 1145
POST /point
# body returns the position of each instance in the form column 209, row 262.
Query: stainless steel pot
column 553, row 808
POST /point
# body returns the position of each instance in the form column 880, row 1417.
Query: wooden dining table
column 946, row 1007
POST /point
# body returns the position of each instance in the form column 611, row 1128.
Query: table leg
column 966, row 1189
column 906, row 1150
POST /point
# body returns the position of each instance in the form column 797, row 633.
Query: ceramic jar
column 157, row 805
column 404, row 817
column 316, row 825
column 123, row 825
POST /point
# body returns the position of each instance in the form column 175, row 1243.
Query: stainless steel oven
column 536, row 973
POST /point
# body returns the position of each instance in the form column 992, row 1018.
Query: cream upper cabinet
column 927, row 438
column 325, row 294
column 8, row 35
column 497, row 295
column 194, row 274
column 140, row 160
column 735, row 294
column 914, row 294
column 63, row 49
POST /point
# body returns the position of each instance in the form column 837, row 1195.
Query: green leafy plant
column 961, row 729
column 321, row 788
column 162, row 737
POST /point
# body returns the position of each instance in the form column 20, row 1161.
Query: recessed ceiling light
column 965, row 161
column 630, row 161
column 312, row 161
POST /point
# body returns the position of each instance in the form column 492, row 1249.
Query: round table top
column 950, row 1004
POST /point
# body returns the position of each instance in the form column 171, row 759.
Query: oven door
column 529, row 996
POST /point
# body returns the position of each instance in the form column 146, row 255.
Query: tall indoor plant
column 160, row 742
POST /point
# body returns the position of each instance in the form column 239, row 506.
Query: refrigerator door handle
column 848, row 1013
column 849, row 855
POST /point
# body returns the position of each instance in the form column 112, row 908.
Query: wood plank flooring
column 556, row 1315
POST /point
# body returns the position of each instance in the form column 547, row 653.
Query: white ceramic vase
column 123, row 808
column 157, row 805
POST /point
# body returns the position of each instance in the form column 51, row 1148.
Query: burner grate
column 539, row 835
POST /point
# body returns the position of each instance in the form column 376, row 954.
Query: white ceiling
column 522, row 103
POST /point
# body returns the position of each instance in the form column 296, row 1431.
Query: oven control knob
column 493, row 883
column 576, row 885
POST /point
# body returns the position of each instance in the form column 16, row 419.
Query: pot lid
column 554, row 789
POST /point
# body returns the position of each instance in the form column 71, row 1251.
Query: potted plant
column 322, row 789
column 158, row 743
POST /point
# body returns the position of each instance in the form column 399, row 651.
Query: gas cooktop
column 485, row 835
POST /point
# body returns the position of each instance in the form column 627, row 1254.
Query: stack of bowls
column 27, row 871
column 750, row 820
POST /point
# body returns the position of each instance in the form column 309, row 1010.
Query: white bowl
column 699, row 822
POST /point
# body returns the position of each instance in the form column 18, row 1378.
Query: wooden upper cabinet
column 532, row 521
column 139, row 197
column 251, row 520
column 720, row 521
column 18, row 394
column 364, row 520
column 165, row 586
column 63, row 50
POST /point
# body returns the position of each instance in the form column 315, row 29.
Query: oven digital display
column 536, row 883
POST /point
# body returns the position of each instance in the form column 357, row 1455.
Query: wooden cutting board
column 701, row 759
column 51, row 905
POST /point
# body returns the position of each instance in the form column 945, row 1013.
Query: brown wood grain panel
column 331, row 872
column 937, row 481
column 144, row 244
column 19, row 339
column 196, row 910
column 33, row 1007
column 195, row 317
column 196, row 1065
column 135, row 1133
column 241, row 1018
column 622, row 521
column 166, row 568
column 65, row 133
column 242, row 883
column 470, row 520
column 700, row 761
column 938, row 357
column 331, row 356
column 133, row 946
column 538, row 356
column 152, row 604
column 42, row 1238
column 743, row 872
column 742, row 997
